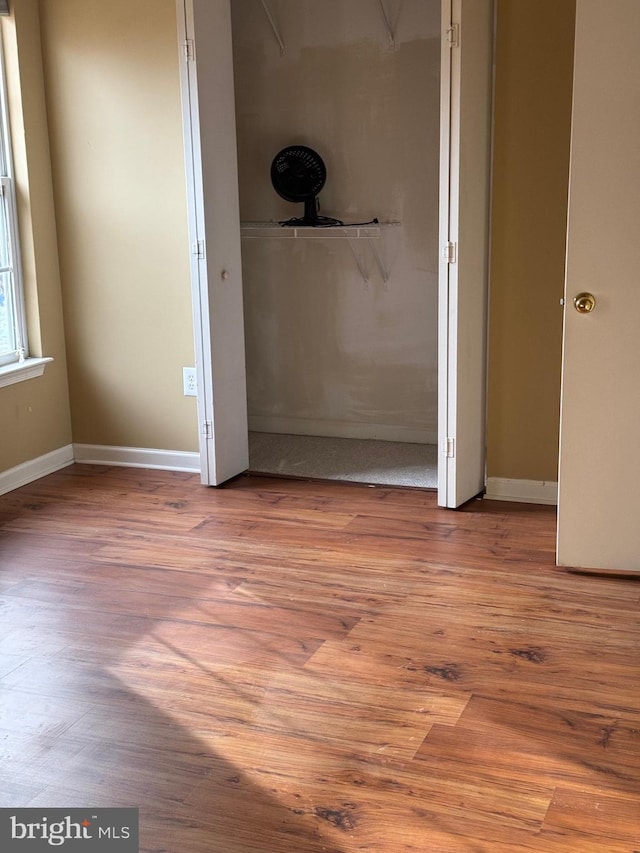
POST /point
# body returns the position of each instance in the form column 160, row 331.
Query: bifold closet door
column 206, row 63
column 465, row 161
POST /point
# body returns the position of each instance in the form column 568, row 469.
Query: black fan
column 298, row 174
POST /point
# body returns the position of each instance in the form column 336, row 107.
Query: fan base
column 311, row 218
column 315, row 222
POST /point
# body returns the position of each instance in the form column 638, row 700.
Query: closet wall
column 327, row 352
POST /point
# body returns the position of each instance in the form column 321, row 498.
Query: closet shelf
column 370, row 233
column 279, row 39
column 331, row 232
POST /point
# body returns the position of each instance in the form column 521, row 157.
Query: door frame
column 224, row 452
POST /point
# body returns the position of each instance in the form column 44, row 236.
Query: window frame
column 8, row 201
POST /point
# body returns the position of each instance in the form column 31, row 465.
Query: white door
column 465, row 162
column 206, row 69
column 598, row 502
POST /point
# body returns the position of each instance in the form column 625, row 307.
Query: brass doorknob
column 584, row 303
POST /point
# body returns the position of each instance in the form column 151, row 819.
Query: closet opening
column 341, row 326
column 341, row 323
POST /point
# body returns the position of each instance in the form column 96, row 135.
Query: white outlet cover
column 189, row 382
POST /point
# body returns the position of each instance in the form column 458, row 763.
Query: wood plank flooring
column 281, row 665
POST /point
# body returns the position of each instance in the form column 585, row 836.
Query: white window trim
column 19, row 371
column 8, row 192
column 25, row 366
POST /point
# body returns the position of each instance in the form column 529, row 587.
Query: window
column 13, row 342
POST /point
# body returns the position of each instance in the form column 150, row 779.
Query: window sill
column 20, row 372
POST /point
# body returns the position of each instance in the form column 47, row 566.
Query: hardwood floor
column 283, row 666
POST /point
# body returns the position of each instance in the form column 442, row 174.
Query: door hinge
column 207, row 429
column 448, row 448
column 450, row 252
column 189, row 50
column 453, row 35
column 198, row 249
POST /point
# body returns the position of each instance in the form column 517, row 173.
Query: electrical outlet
column 189, row 382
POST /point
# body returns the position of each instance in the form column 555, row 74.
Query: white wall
column 326, row 353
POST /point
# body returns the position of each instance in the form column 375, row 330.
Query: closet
column 341, row 324
column 346, row 335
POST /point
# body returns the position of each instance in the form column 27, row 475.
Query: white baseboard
column 498, row 488
column 32, row 470
column 342, row 429
column 137, row 457
column 522, row 491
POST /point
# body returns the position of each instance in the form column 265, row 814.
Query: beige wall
column 34, row 415
column 114, row 112
column 113, row 98
column 534, row 67
column 327, row 354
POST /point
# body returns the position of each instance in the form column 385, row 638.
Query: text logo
column 69, row 830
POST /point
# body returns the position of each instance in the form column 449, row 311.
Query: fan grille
column 298, row 173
